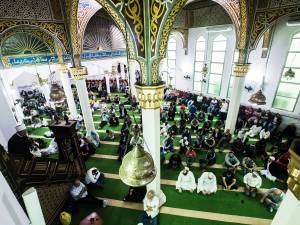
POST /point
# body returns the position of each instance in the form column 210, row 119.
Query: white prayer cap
column 20, row 127
column 210, row 175
column 186, row 168
column 272, row 158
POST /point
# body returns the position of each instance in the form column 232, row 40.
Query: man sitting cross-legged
column 229, row 180
column 207, row 183
column 186, row 181
column 252, row 183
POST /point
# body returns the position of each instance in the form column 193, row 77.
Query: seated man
column 105, row 119
column 113, row 121
column 247, row 164
column 190, row 156
column 272, row 198
column 229, row 180
column 135, row 194
column 194, row 124
column 186, row 181
column 201, row 116
column 79, row 194
column 164, row 129
column 109, row 135
column 173, row 129
column 266, row 171
column 175, row 161
column 207, row 183
column 94, row 178
column 225, row 140
column 168, row 144
column 151, row 210
column 252, row 183
column 254, row 130
column 231, row 161
column 211, row 157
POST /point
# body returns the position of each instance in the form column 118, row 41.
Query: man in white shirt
column 252, row 183
column 94, row 178
column 186, row 181
column 254, row 130
column 207, row 183
column 151, row 210
column 79, row 193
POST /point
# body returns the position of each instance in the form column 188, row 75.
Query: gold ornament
column 240, row 70
column 150, row 97
column 78, row 73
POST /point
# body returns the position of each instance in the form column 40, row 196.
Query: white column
column 79, row 75
column 150, row 100
column 118, row 82
column 239, row 74
column 8, row 120
column 33, row 207
column 289, row 211
column 11, row 212
column 132, row 78
column 107, row 82
column 64, row 77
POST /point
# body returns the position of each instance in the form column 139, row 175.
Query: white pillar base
column 132, row 78
column 289, row 211
column 107, row 84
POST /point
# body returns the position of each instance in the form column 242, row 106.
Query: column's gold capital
column 150, row 97
column 294, row 169
column 62, row 68
column 78, row 73
column 240, row 70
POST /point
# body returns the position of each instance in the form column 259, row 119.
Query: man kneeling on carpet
column 151, row 210
column 94, row 178
column 186, row 181
column 79, row 194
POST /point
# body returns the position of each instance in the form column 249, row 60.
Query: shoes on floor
column 105, row 203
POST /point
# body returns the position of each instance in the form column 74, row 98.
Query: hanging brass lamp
column 56, row 93
column 258, row 98
column 137, row 168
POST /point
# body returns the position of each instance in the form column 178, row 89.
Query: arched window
column 217, row 64
column 171, row 61
column 289, row 88
column 199, row 63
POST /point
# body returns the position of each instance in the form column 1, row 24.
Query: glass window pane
column 215, row 79
column 296, row 79
column 199, row 56
column 220, row 38
column 284, row 103
column 171, row 72
column 293, row 59
column 219, row 46
column 198, row 66
column 197, row 86
column 295, row 46
column 171, row 55
column 171, row 63
column 214, row 89
column 200, row 46
column 198, row 76
column 172, row 46
column 216, row 68
column 297, row 35
column 218, row 57
column 288, row 90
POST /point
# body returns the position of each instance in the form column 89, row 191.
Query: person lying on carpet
column 207, row 183
column 229, row 180
column 272, row 199
column 94, row 178
column 186, row 181
column 151, row 210
column 252, row 183
column 80, row 195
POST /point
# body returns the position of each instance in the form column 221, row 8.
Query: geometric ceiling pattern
column 102, row 34
column 23, row 43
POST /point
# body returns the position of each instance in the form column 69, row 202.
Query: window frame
column 203, row 62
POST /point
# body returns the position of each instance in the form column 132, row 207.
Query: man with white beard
column 207, row 183
column 186, row 181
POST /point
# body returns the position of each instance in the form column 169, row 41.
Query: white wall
column 11, row 212
column 277, row 57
